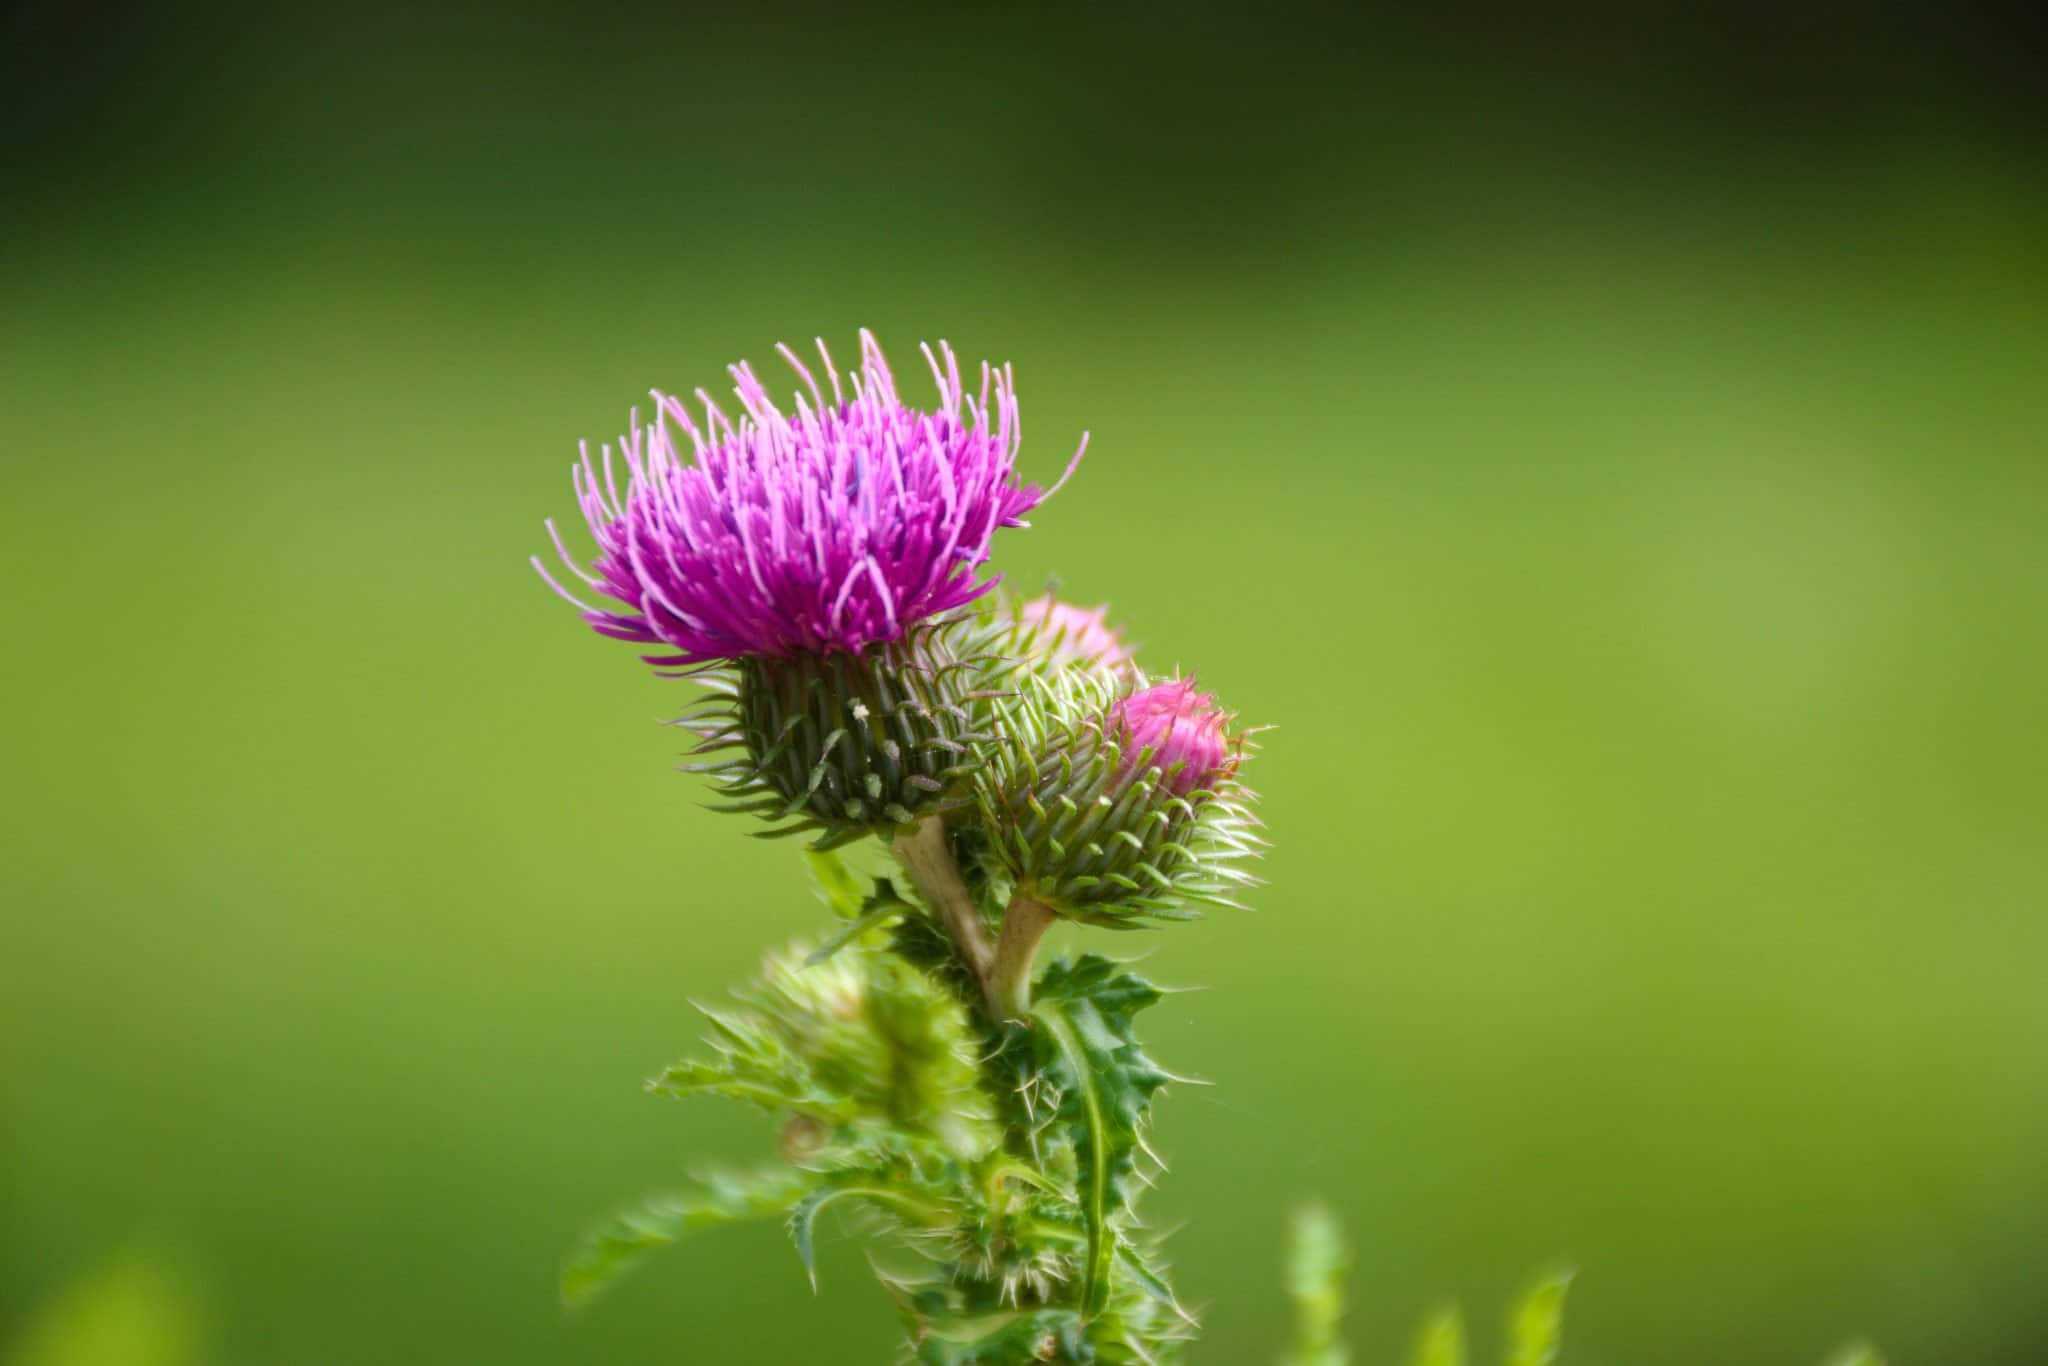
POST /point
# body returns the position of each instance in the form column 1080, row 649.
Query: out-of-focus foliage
column 617, row 1245
column 1319, row 1261
column 135, row 1310
column 1536, row 1323
column 1441, row 1339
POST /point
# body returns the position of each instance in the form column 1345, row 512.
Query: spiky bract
column 848, row 744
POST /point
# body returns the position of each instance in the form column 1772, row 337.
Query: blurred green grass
column 1645, row 578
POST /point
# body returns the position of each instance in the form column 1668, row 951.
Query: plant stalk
column 927, row 855
column 1025, row 922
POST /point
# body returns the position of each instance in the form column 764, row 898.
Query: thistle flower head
column 1065, row 634
column 825, row 530
column 1177, row 730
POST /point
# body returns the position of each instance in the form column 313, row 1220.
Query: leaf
column 1085, row 1050
column 803, row 1221
column 615, row 1247
column 803, row 1218
column 1536, row 1323
column 1007, row 1339
column 879, row 909
column 1151, row 1281
column 837, row 886
column 920, row 941
column 1857, row 1354
column 754, row 1061
column 1318, row 1260
column 1442, row 1339
column 134, row 1311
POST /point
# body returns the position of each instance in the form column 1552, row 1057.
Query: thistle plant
column 967, row 770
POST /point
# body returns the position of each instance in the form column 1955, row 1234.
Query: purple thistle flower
column 832, row 529
column 1067, row 634
column 1184, row 730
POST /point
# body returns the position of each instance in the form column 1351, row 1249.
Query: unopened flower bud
column 1116, row 798
column 1062, row 634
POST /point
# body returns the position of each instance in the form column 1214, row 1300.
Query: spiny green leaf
column 803, row 1217
column 1442, row 1339
column 803, row 1222
column 1085, row 1049
column 1140, row 1271
column 1104, row 983
column 1047, row 1335
column 758, row 1086
column 1318, row 1261
column 1536, row 1323
column 624, row 1241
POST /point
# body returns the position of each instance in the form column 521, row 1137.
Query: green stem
column 926, row 853
column 1009, row 984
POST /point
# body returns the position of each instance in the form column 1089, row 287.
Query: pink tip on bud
column 1066, row 634
column 1179, row 731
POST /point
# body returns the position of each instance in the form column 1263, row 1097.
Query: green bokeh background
column 1611, row 455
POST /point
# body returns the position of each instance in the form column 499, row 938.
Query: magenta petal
column 831, row 528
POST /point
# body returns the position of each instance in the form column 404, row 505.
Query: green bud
column 1104, row 822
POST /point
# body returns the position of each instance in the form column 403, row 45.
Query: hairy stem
column 1025, row 922
column 927, row 855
